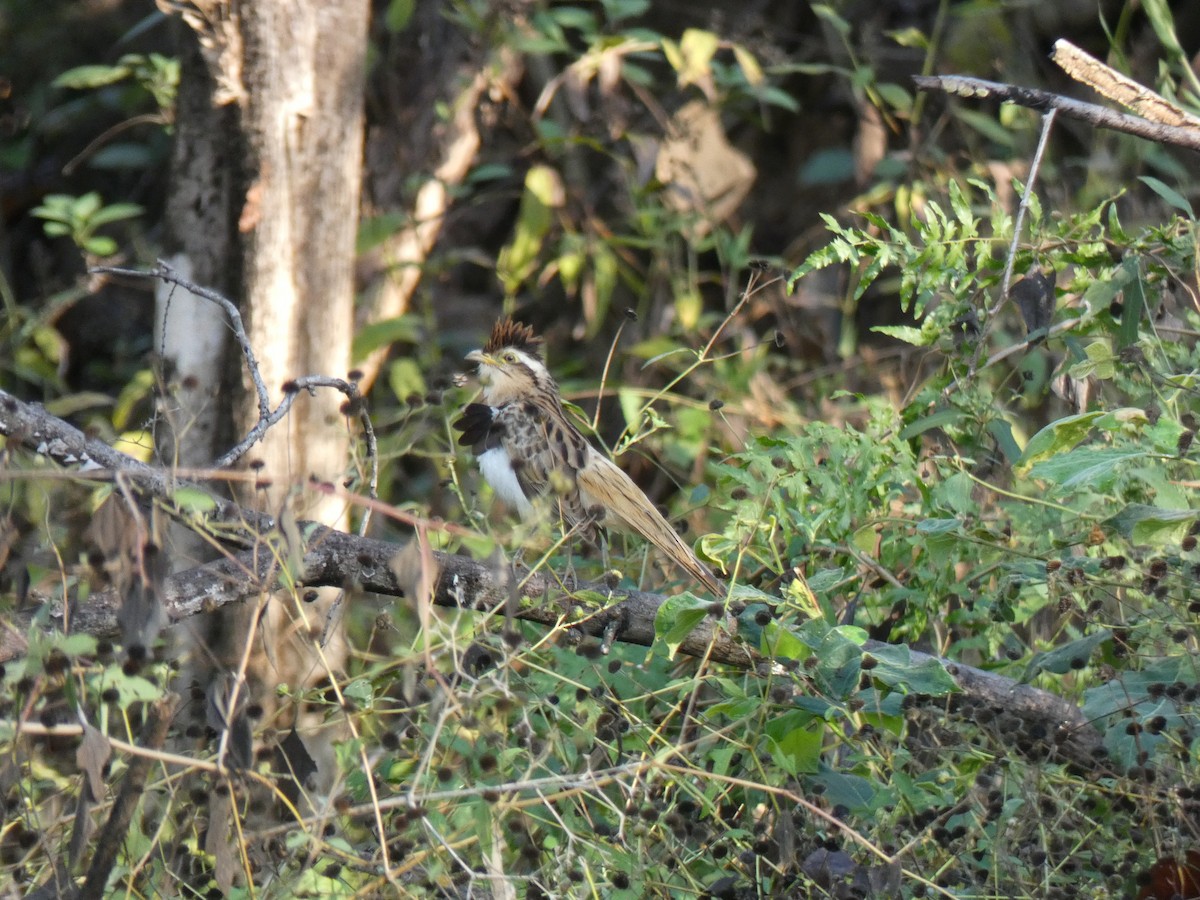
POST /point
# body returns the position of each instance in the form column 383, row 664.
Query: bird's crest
column 507, row 333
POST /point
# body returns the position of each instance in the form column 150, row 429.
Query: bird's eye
column 509, row 356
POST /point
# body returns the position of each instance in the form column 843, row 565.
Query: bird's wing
column 546, row 451
column 477, row 424
column 484, row 432
column 604, row 485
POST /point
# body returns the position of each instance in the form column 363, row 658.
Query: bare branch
column 1018, row 224
column 1108, row 82
column 1044, row 101
column 165, row 273
column 31, row 426
column 334, row 558
column 355, row 405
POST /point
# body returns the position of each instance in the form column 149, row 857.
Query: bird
column 527, row 447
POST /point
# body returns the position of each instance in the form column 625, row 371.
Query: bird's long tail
column 607, row 486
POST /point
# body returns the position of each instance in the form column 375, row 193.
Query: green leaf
column 374, row 230
column 960, row 203
column 826, row 579
column 1164, row 434
column 854, row 792
column 84, row 77
column 688, row 306
column 896, row 668
column 1129, row 419
column 938, row 526
column 574, row 17
column 773, row 96
column 86, row 205
column 130, row 688
column 1110, row 705
column 837, row 669
column 910, row 37
column 673, row 54
column 55, row 206
column 404, row 328
column 938, row 419
column 1100, row 361
column 1001, row 431
column 833, row 165
column 604, row 278
column 677, row 618
column 544, row 183
column 656, row 348
column 1131, row 688
column 986, row 124
column 751, row 70
column 631, row 407
column 1084, row 467
column 360, row 691
column 123, row 156
column 779, row 642
column 405, row 378
column 1134, row 306
column 895, row 96
column 1057, row 437
column 140, row 388
column 827, row 14
column 1101, row 292
column 696, row 50
column 489, row 172
column 915, row 336
column 1063, row 659
column 518, row 261
column 100, row 245
column 71, row 404
column 193, row 500
column 1150, row 525
column 625, row 9
column 76, row 644
column 795, row 739
column 1172, row 196
column 748, row 628
column 115, row 212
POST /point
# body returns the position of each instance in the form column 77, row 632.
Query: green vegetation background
column 873, row 446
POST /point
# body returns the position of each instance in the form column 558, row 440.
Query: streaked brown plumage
column 527, row 447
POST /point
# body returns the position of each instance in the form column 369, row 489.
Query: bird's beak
column 483, row 359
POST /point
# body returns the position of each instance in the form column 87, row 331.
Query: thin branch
column 1044, row 101
column 1023, row 210
column 267, row 416
column 164, row 272
column 290, row 391
column 1011, row 349
column 31, row 426
column 1108, row 82
column 1018, row 224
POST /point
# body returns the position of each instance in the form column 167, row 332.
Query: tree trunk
column 264, row 206
column 303, row 72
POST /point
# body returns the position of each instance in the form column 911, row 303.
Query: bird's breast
column 497, row 469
